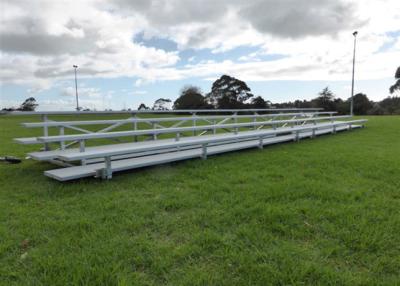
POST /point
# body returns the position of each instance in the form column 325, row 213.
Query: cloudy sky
column 133, row 51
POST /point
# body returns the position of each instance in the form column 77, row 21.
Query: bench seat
column 70, row 173
column 27, row 140
column 223, row 138
column 54, row 154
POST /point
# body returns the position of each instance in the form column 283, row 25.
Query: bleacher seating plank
column 76, row 172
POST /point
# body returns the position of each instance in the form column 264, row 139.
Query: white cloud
column 83, row 92
column 41, row 40
column 140, row 92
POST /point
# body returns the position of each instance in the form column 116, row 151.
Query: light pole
column 352, row 78
column 76, row 88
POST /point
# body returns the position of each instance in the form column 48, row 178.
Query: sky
column 134, row 51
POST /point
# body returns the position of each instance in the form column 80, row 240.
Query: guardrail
column 134, row 119
column 226, row 130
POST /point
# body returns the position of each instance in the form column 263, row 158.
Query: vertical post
column 204, row 151
column 76, row 88
column 261, row 143
column 194, row 123
column 352, row 77
column 255, row 120
column 62, row 143
column 236, row 129
column 107, row 170
column 134, row 117
column 297, row 138
column 82, row 149
column 214, row 128
column 154, row 135
column 45, row 132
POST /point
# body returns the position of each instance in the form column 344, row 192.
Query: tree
column 341, row 106
column 143, row 106
column 325, row 99
column 361, row 104
column 259, row 102
column 376, row 110
column 391, row 105
column 190, row 98
column 28, row 105
column 396, row 86
column 162, row 104
column 8, row 109
column 229, row 92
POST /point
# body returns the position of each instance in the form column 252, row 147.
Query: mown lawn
column 318, row 212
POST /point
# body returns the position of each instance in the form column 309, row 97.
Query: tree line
column 228, row 92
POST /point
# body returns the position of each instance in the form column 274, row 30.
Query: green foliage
column 28, row 105
column 318, row 212
column 391, row 105
column 259, row 102
column 162, row 104
column 325, row 99
column 143, row 106
column 190, row 98
column 361, row 104
column 396, row 86
column 229, row 92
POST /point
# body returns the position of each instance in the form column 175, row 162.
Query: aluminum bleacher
column 170, row 137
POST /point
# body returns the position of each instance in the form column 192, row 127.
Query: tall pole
column 76, row 89
column 352, row 78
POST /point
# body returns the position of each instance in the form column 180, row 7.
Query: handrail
column 158, row 111
column 163, row 119
column 58, row 138
column 191, row 141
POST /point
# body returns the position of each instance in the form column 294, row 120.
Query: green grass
column 318, row 212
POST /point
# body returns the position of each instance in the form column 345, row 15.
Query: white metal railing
column 144, row 111
column 154, row 122
column 231, row 127
column 202, row 142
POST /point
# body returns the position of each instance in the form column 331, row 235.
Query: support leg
column 107, row 174
column 297, row 138
column 62, row 143
column 261, row 143
column 204, row 152
column 45, row 132
column 82, row 149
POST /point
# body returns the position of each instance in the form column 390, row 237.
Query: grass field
column 318, row 212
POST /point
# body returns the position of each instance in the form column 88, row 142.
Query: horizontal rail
column 164, row 119
column 48, row 139
column 198, row 141
column 157, row 111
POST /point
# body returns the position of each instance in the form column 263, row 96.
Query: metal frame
column 260, row 130
column 257, row 139
column 160, row 111
column 153, row 122
column 231, row 127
